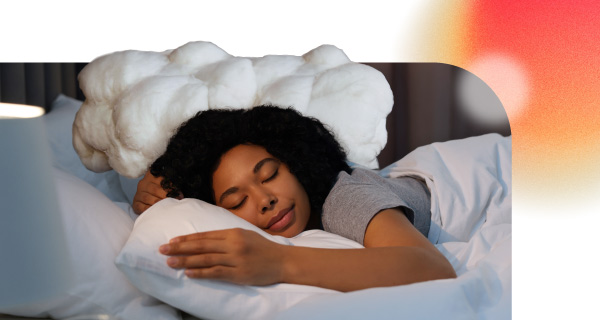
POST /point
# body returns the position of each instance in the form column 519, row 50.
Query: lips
column 281, row 220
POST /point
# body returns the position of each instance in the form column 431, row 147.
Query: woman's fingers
column 216, row 272
column 154, row 188
column 207, row 266
column 193, row 247
column 146, row 198
column 200, row 261
column 142, row 201
column 149, row 191
column 139, row 207
column 151, row 185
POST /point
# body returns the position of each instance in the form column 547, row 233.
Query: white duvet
column 471, row 188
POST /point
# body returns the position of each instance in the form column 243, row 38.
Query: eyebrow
column 262, row 162
column 227, row 192
column 257, row 168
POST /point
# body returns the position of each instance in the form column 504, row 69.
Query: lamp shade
column 32, row 243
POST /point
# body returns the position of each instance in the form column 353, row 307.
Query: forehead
column 242, row 154
column 239, row 160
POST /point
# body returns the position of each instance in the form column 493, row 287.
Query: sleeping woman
column 285, row 173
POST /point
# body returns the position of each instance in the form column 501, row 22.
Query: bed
column 466, row 165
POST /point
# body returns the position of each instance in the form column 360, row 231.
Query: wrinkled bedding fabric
column 471, row 186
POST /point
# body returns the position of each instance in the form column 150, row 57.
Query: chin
column 290, row 232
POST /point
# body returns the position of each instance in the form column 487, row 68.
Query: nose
column 267, row 201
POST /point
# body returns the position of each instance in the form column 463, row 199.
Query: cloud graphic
column 136, row 100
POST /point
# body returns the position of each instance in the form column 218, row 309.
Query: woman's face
column 258, row 188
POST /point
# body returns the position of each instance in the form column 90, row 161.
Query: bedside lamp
column 34, row 256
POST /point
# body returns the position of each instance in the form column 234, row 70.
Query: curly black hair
column 304, row 144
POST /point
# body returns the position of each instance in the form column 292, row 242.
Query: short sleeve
column 356, row 198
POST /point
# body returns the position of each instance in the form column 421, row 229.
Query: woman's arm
column 396, row 253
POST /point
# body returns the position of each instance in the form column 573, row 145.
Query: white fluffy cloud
column 135, row 100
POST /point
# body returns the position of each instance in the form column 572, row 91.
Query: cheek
column 300, row 191
column 303, row 202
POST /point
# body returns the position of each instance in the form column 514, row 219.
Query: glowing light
column 11, row 110
column 506, row 77
column 478, row 101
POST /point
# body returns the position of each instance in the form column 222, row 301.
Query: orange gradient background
column 542, row 59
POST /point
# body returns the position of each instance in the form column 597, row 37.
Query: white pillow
column 96, row 231
column 146, row 268
column 59, row 128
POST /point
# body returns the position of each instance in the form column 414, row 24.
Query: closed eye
column 239, row 205
column 273, row 176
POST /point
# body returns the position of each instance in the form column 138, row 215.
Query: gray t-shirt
column 356, row 198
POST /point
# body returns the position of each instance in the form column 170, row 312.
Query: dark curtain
column 426, row 108
column 39, row 83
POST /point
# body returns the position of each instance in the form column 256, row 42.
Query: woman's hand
column 149, row 192
column 235, row 255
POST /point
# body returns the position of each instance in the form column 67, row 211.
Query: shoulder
column 358, row 176
column 361, row 185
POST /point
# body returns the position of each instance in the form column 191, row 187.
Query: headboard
column 425, row 105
